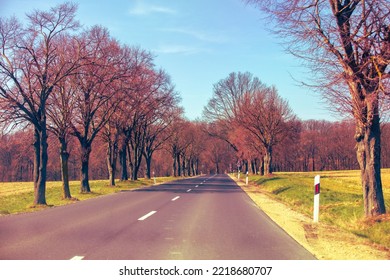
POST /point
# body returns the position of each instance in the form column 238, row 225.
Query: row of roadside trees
column 192, row 147
column 59, row 79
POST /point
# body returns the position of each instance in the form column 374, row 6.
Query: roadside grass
column 341, row 201
column 18, row 197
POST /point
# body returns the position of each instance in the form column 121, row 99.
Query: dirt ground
column 323, row 241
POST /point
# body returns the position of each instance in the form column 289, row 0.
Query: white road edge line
column 175, row 198
column 147, row 215
column 77, row 258
column 189, row 190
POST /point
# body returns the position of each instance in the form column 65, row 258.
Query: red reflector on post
column 317, row 189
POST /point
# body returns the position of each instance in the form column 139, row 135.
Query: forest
column 316, row 145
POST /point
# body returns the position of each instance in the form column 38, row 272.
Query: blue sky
column 198, row 42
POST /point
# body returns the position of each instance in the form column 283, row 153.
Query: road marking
column 147, row 215
column 196, row 186
column 176, row 253
column 176, row 198
column 201, row 183
column 77, row 258
column 189, row 190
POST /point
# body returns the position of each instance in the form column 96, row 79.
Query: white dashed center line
column 147, row 215
column 189, row 190
column 196, row 186
column 77, row 258
column 175, row 198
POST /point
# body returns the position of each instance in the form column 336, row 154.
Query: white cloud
column 179, row 49
column 142, row 8
column 202, row 36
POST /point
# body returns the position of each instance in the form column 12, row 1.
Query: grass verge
column 17, row 197
column 341, row 203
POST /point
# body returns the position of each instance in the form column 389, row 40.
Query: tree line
column 189, row 148
column 75, row 85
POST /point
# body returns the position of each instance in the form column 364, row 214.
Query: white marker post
column 154, row 178
column 316, row 210
column 246, row 180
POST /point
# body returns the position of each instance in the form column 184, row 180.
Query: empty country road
column 207, row 218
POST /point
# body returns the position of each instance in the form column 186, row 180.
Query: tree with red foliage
column 266, row 116
column 97, row 84
column 347, row 45
column 242, row 100
column 31, row 66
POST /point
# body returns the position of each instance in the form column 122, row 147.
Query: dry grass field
column 341, row 203
column 17, row 197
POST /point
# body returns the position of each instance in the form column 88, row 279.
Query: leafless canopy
column 346, row 44
column 339, row 40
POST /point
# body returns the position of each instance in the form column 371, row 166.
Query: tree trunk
column 64, row 157
column 131, row 165
column 313, row 163
column 178, row 165
column 137, row 156
column 194, row 167
column 148, row 159
column 368, row 150
column 84, row 172
column 268, row 161
column 184, row 167
column 253, row 166
column 111, row 162
column 123, row 163
column 174, row 168
column 40, row 164
column 261, row 170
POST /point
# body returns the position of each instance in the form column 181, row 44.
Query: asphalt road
column 208, row 218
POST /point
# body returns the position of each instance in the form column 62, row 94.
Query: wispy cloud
column 179, row 49
column 142, row 8
column 200, row 35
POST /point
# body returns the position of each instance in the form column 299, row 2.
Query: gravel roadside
column 324, row 241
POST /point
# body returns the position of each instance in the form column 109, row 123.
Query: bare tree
column 97, row 84
column 156, row 132
column 111, row 134
column 31, row 66
column 136, row 92
column 221, row 110
column 60, row 111
column 242, row 100
column 346, row 43
column 118, row 130
column 227, row 94
column 266, row 116
column 176, row 144
column 153, row 97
